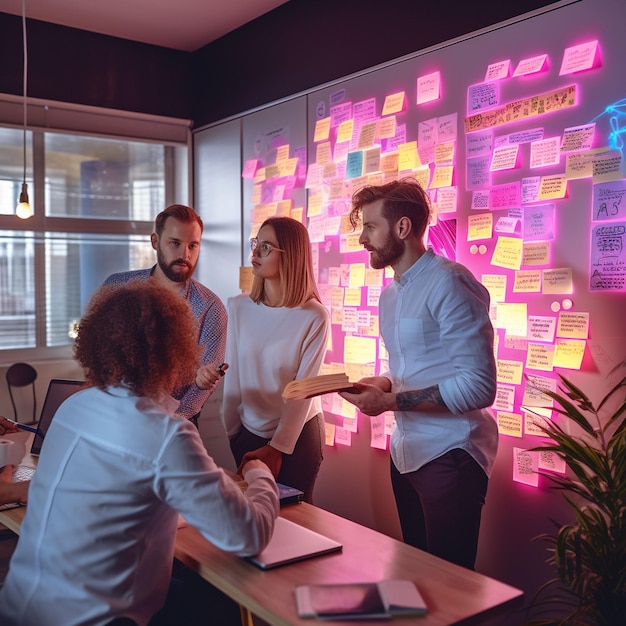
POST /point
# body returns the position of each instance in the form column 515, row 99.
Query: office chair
column 21, row 375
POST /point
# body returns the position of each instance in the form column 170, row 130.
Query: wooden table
column 454, row 595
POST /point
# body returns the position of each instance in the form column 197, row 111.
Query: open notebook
column 291, row 543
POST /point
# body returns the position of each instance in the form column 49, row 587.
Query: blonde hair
column 295, row 265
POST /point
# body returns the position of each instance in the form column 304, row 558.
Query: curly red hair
column 139, row 335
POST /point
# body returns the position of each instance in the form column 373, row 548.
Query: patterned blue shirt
column 211, row 315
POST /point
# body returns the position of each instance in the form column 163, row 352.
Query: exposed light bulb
column 24, row 210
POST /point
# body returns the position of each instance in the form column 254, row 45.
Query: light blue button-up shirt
column 436, row 328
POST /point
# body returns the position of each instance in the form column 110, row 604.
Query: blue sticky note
column 354, row 164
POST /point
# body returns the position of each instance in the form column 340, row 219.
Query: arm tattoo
column 410, row 400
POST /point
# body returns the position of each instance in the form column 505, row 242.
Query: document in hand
column 316, row 386
column 343, row 601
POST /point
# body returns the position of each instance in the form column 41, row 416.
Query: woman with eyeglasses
column 276, row 334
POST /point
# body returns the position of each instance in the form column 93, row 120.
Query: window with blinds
column 95, row 199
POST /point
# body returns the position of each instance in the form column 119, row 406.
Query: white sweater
column 267, row 347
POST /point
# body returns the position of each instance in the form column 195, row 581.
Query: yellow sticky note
column 389, row 162
column 323, row 153
column 259, row 176
column 509, row 371
column 357, row 275
column 540, row 356
column 509, row 423
column 256, row 194
column 288, row 167
column 329, row 434
column 283, row 208
column 387, row 127
column 536, row 253
column 315, row 204
column 345, row 131
column 350, row 243
column 444, row 152
column 557, row 280
column 272, row 171
column 359, row 349
column 298, row 214
column 407, row 156
column 394, row 103
column 573, row 325
column 422, row 175
column 282, row 153
column 552, row 187
column 245, row 278
column 352, row 296
column 322, row 129
column 508, row 253
column 532, row 422
column 512, row 316
column 479, row 226
column 442, row 176
column 569, row 353
column 373, row 277
column 367, row 135
column 495, row 285
column 527, row 281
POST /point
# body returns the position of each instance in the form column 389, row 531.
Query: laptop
column 58, row 391
column 291, row 543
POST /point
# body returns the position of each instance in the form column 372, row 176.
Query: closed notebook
column 290, row 543
column 359, row 601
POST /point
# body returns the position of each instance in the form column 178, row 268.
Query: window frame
column 93, row 122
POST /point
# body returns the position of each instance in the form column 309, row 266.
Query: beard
column 178, row 271
column 388, row 254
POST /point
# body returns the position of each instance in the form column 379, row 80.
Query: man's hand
column 209, row 375
column 272, row 457
column 370, row 398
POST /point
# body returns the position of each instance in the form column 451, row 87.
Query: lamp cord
column 25, row 79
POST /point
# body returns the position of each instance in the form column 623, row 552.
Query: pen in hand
column 30, row 429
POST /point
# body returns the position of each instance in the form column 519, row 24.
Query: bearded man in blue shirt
column 176, row 241
column 434, row 320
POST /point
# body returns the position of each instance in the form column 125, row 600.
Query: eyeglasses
column 262, row 248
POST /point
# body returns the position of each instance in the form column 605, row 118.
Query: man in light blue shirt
column 434, row 320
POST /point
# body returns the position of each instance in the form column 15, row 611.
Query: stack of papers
column 316, row 386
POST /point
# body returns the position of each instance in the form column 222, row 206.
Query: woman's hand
column 7, row 426
column 10, row 491
column 209, row 375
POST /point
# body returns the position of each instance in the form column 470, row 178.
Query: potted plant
column 589, row 554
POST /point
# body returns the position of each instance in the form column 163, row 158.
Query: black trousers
column 298, row 469
column 440, row 505
column 191, row 601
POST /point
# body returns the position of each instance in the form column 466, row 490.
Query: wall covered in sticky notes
column 517, row 134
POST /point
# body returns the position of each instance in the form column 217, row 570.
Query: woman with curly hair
column 116, row 469
column 276, row 334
